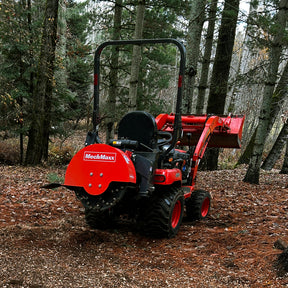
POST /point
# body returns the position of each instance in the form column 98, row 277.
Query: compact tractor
column 146, row 174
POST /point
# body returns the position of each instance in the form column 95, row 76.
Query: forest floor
column 44, row 241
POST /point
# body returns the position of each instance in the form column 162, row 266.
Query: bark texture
column 136, row 56
column 277, row 149
column 112, row 93
column 221, row 68
column 196, row 21
column 37, row 148
column 278, row 100
column 203, row 82
column 284, row 169
column 253, row 171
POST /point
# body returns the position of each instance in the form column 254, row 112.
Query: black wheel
column 162, row 216
column 198, row 205
column 99, row 220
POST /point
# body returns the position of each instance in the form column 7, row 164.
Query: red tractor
column 142, row 174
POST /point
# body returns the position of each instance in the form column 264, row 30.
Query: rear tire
column 198, row 205
column 162, row 216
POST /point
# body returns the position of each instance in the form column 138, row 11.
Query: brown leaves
column 44, row 239
column 22, row 201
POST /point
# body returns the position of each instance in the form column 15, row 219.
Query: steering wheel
column 167, row 138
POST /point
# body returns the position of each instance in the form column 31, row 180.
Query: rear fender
column 96, row 166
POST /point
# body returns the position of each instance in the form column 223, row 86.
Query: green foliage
column 263, row 25
column 157, row 70
column 20, row 36
column 16, row 62
column 161, row 19
column 55, row 178
column 74, row 69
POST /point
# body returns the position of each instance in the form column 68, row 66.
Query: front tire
column 198, row 205
column 162, row 216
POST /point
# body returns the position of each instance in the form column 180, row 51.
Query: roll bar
column 178, row 112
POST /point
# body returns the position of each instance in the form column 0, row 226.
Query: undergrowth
column 9, row 152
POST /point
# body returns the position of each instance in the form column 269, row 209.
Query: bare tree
column 196, row 21
column 253, row 171
column 221, row 69
column 136, row 56
column 284, row 169
column 277, row 149
column 278, row 99
column 203, row 82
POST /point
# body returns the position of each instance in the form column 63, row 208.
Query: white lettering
column 100, row 156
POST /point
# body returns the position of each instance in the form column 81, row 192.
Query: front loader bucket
column 227, row 133
column 231, row 138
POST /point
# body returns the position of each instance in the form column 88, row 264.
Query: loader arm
column 212, row 123
column 202, row 131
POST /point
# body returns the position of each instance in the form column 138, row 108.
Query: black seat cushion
column 139, row 126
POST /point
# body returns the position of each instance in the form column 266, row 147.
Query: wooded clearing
column 46, row 243
column 236, row 63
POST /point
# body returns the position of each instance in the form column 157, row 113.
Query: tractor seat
column 139, row 126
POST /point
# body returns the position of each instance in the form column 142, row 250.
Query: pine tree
column 37, row 148
column 19, row 41
column 78, row 62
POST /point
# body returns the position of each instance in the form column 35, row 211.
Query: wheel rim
column 176, row 214
column 205, row 207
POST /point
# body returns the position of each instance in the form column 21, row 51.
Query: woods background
column 238, row 48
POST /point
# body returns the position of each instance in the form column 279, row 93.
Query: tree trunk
column 203, row 83
column 244, row 158
column 242, row 66
column 136, row 56
column 196, row 21
column 277, row 148
column 284, row 169
column 253, row 171
column 279, row 96
column 277, row 102
column 42, row 95
column 61, row 50
column 221, row 68
column 112, row 93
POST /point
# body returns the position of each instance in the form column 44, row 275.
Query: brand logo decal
column 100, row 156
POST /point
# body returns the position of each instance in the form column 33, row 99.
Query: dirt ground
column 44, row 241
